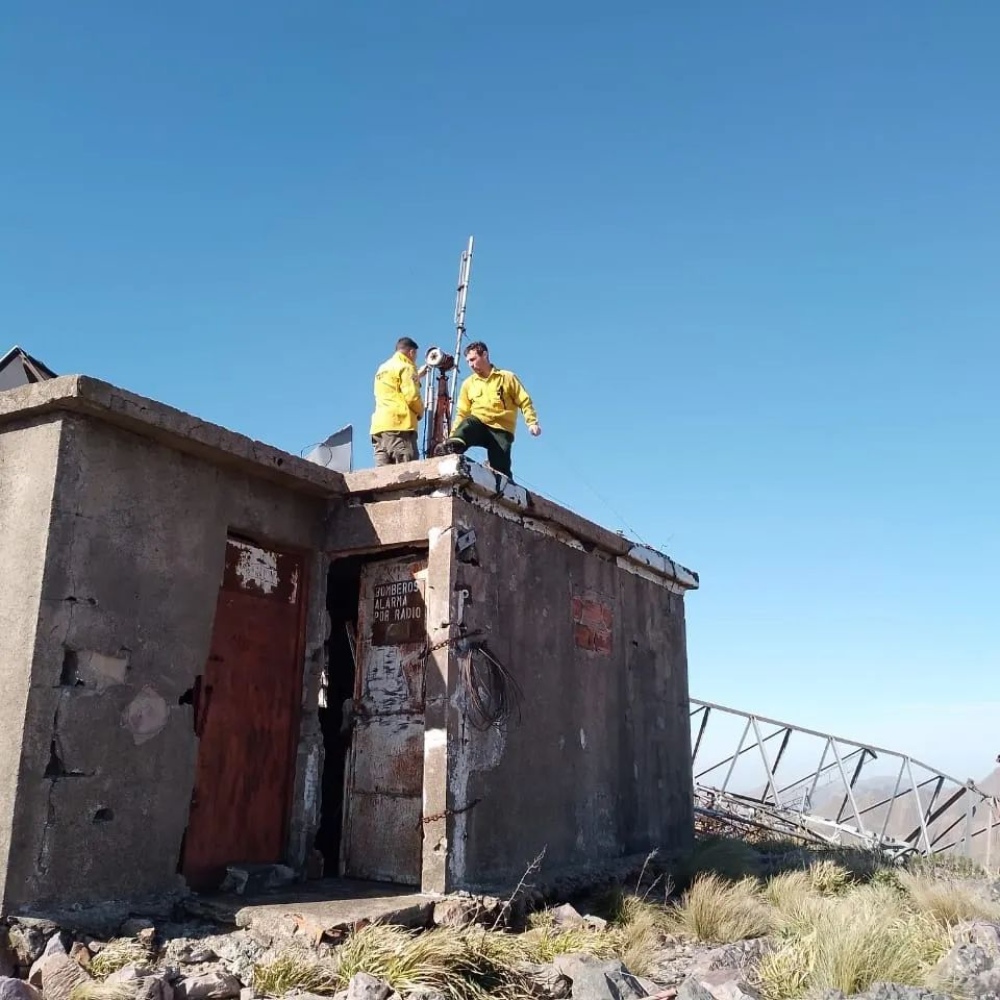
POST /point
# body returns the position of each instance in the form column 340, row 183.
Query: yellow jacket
column 398, row 403
column 495, row 400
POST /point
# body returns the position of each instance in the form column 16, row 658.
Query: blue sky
column 742, row 255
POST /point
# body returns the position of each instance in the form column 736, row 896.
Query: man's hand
column 534, row 430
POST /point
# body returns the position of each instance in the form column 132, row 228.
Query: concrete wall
column 376, row 527
column 27, row 474
column 598, row 766
column 131, row 578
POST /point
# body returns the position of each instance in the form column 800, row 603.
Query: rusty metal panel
column 386, row 836
column 247, row 706
column 390, row 755
column 383, row 833
column 391, row 677
column 262, row 572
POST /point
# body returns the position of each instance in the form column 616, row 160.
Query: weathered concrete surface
column 457, row 475
column 28, row 457
column 598, row 764
column 318, row 908
column 174, row 428
column 143, row 500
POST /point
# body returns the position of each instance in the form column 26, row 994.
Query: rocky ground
column 185, row 959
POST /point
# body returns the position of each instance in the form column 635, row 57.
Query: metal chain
column 445, row 813
column 452, row 641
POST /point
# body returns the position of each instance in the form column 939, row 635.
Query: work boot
column 453, row 446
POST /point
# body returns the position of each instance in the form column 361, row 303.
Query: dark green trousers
column 473, row 433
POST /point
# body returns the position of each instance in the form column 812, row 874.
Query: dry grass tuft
column 637, row 933
column 91, row 989
column 847, row 942
column 295, row 972
column 721, row 912
column 115, row 955
column 828, row 878
column 947, row 901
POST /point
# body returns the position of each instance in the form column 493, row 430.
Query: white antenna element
column 464, row 274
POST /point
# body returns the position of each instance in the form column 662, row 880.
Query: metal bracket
column 463, row 596
column 465, row 541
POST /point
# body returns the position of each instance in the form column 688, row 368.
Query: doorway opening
column 343, row 594
column 372, row 718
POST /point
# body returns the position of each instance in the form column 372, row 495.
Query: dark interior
column 342, row 595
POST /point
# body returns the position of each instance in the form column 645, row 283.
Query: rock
column 961, row 963
column 726, row 984
column 196, row 954
column 8, row 963
column 568, row 916
column 550, row 981
column 237, row 951
column 54, row 946
column 247, row 993
column 135, row 926
column 893, row 991
column 596, row 979
column 17, row 989
column 250, row 879
column 982, row 933
column 739, row 955
column 691, row 989
column 59, row 975
column 28, row 938
column 154, row 988
column 130, row 973
column 462, row 911
column 983, row 985
column 207, row 986
column 365, row 987
column 80, row 954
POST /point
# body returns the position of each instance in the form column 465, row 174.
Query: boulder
column 28, row 938
column 207, row 986
column 598, row 979
column 130, row 973
column 365, row 987
column 60, row 974
column 720, row 984
column 17, row 989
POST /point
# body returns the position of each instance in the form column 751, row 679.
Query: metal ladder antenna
column 461, row 296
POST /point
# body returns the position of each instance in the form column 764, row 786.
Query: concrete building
column 213, row 652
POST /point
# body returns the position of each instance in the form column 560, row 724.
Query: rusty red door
column 247, row 711
column 383, row 829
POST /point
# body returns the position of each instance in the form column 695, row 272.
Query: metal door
column 383, row 830
column 247, row 709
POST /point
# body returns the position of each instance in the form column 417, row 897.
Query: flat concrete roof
column 172, row 427
column 456, row 473
column 453, row 473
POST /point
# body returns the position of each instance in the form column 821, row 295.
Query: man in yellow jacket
column 398, row 407
column 487, row 410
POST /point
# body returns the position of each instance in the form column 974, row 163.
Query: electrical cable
column 493, row 691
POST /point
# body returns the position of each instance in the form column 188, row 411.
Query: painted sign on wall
column 397, row 613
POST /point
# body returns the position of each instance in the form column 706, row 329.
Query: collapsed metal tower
column 910, row 808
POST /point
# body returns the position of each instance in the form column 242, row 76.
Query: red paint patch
column 593, row 623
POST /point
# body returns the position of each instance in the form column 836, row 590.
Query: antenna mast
column 441, row 368
column 464, row 274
